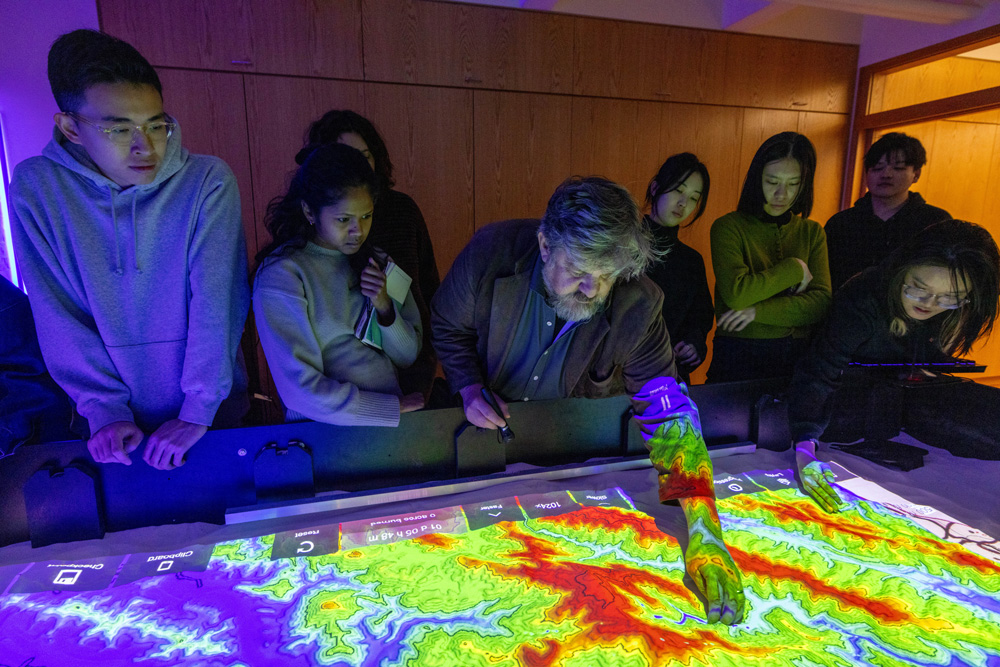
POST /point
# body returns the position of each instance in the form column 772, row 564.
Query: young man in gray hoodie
column 133, row 255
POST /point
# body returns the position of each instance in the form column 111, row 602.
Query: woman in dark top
column 676, row 197
column 932, row 298
column 398, row 228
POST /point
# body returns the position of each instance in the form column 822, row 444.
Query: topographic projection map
column 567, row 578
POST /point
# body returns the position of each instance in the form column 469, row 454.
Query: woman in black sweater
column 676, row 197
column 927, row 303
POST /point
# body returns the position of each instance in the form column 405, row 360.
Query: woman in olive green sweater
column 772, row 278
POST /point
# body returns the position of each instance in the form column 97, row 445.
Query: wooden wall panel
column 183, row 33
column 827, row 132
column 302, row 37
column 428, row 132
column 645, row 61
column 611, row 138
column 410, row 41
column 522, row 148
column 789, row 74
column 307, row 38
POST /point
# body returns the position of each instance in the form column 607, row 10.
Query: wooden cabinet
column 428, row 132
column 305, row 37
column 413, row 41
column 644, row 61
column 668, row 64
column 789, row 74
column 612, row 138
column 183, row 33
column 522, row 153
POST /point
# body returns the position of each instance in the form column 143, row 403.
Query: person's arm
column 71, row 345
column 669, row 422
column 738, row 285
column 811, row 305
column 401, row 340
column 219, row 297
column 296, row 360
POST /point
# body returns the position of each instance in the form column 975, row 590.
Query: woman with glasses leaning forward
column 927, row 303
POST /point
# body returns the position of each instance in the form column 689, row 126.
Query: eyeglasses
column 123, row 134
column 946, row 301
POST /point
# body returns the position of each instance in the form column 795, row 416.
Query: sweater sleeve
column 296, row 360
column 219, row 297
column 71, row 345
column 737, row 284
column 669, row 422
column 811, row 306
column 401, row 339
column 817, row 375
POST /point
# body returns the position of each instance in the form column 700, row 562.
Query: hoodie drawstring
column 135, row 233
column 118, row 248
column 119, row 270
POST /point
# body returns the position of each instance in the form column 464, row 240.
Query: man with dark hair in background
column 558, row 308
column 133, row 256
column 887, row 215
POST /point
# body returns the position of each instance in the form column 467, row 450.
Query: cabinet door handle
column 800, row 104
column 242, row 62
column 661, row 93
column 473, row 79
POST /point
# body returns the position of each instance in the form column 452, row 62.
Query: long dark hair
column 785, row 144
column 970, row 255
column 327, row 173
column 336, row 122
column 674, row 171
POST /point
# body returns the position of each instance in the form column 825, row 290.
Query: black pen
column 506, row 434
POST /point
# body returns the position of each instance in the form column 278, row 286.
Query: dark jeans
column 737, row 359
column 958, row 415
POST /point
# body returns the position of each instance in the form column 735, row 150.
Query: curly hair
column 327, row 173
column 334, row 123
column 598, row 222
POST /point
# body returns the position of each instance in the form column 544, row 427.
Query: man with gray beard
column 561, row 307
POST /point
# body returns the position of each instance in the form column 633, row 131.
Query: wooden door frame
column 864, row 124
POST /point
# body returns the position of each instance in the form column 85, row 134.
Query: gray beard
column 571, row 308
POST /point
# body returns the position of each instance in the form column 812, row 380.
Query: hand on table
column 411, row 402
column 686, row 354
column 114, row 442
column 168, row 444
column 715, row 574
column 709, row 564
column 816, row 476
column 737, row 320
column 373, row 287
column 479, row 412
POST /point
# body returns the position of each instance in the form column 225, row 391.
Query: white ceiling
column 825, row 20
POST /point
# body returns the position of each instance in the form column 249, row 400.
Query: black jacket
column 856, row 238
column 857, row 330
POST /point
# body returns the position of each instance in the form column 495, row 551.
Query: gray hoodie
column 139, row 294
